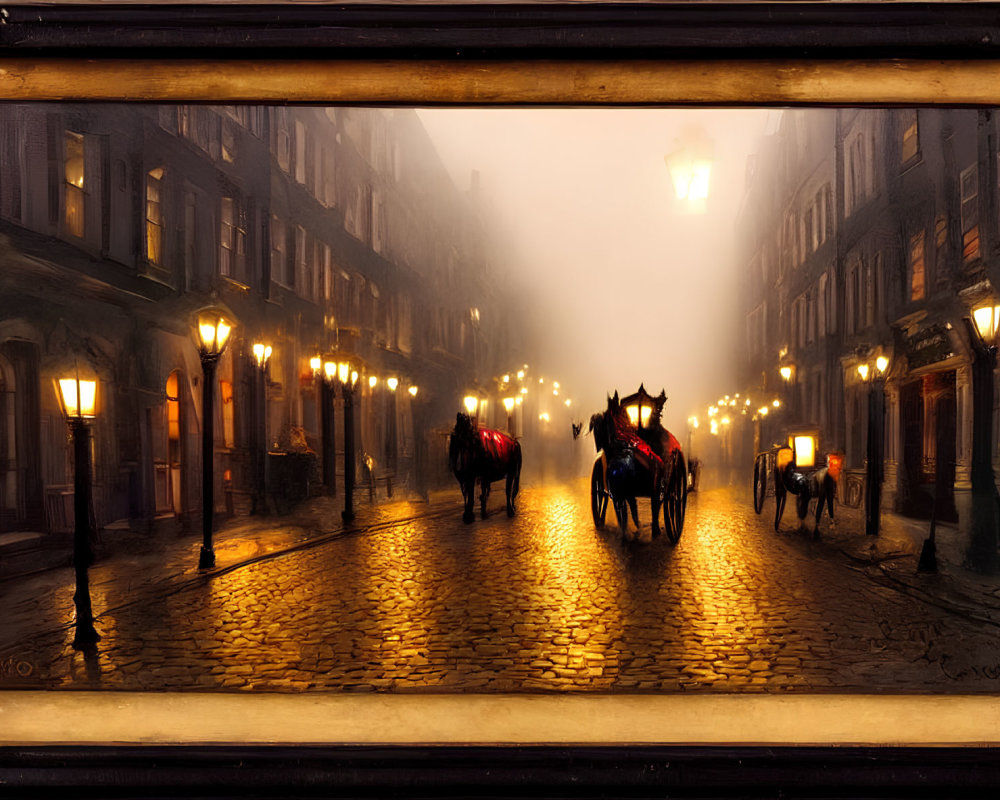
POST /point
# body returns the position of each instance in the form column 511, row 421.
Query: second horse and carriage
column 636, row 457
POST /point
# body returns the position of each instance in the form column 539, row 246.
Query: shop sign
column 928, row 346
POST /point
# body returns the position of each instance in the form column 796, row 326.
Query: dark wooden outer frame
column 688, row 53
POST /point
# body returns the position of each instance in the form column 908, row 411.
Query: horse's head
column 599, row 427
column 461, row 442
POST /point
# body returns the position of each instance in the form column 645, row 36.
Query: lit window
column 917, row 270
column 911, row 136
column 154, row 216
column 74, row 182
column 228, row 415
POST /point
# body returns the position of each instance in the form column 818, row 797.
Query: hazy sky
column 637, row 290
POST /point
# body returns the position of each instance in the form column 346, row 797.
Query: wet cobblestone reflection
column 543, row 602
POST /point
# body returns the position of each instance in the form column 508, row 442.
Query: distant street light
column 325, row 374
column 79, row 405
column 348, row 387
column 261, row 354
column 690, row 167
column 508, row 404
column 982, row 553
column 875, row 441
column 213, row 330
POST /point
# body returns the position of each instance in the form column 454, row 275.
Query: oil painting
column 385, row 402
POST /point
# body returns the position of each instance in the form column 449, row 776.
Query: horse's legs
column 635, row 511
column 483, row 495
column 654, row 503
column 511, row 477
column 779, row 502
column 469, row 495
column 621, row 512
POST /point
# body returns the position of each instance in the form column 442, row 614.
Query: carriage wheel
column 675, row 503
column 759, row 483
column 598, row 495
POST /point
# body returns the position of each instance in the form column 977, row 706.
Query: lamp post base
column 86, row 635
column 206, row 560
column 347, row 515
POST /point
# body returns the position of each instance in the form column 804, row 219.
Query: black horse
column 486, row 455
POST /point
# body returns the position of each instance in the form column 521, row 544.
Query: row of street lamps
column 213, row 331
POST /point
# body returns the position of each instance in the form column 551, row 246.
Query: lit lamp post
column 213, row 334
column 261, row 353
column 874, row 376
column 348, row 380
column 78, row 402
column 982, row 553
column 690, row 168
column 508, row 404
column 471, row 403
column 325, row 373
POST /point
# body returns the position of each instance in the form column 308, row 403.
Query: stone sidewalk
column 894, row 556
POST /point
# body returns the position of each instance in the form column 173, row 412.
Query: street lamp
column 261, row 354
column 982, row 553
column 874, row 376
column 325, row 373
column 508, row 404
column 212, row 332
column 78, row 403
column 348, row 378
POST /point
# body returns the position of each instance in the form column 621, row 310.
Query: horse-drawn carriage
column 637, row 457
column 794, row 468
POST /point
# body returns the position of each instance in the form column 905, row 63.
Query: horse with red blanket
column 485, row 455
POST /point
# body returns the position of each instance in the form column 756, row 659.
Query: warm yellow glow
column 762, row 411
column 569, row 403
column 987, row 319
column 354, row 377
column 555, row 392
column 330, row 368
column 555, row 384
column 805, row 450
column 78, row 397
column 633, row 412
column 776, row 403
column 213, row 332
column 506, row 379
column 786, row 373
column 524, row 391
column 784, row 457
column 881, row 363
column 725, row 420
column 747, row 402
column 517, row 400
column 691, row 174
column 541, row 380
column 508, row 403
column 695, row 422
column 712, row 411
column 732, row 402
column 262, row 352
column 315, row 364
column 413, row 391
column 471, row 402
column 863, row 371
column 392, row 383
column 343, row 371
column 520, row 374
column 544, row 416
column 372, row 382
column 714, row 428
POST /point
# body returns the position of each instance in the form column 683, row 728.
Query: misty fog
column 632, row 285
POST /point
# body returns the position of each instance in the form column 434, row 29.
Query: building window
column 300, row 151
column 228, row 142
column 154, row 216
column 301, row 262
column 911, row 134
column 282, row 141
column 327, row 266
column 970, row 213
column 821, row 306
column 857, row 173
column 74, row 184
column 232, row 238
column 279, row 252
column 918, row 278
column 228, row 414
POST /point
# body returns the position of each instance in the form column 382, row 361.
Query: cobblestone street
column 542, row 602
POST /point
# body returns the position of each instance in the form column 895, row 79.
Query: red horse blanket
column 626, row 432
column 498, row 446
